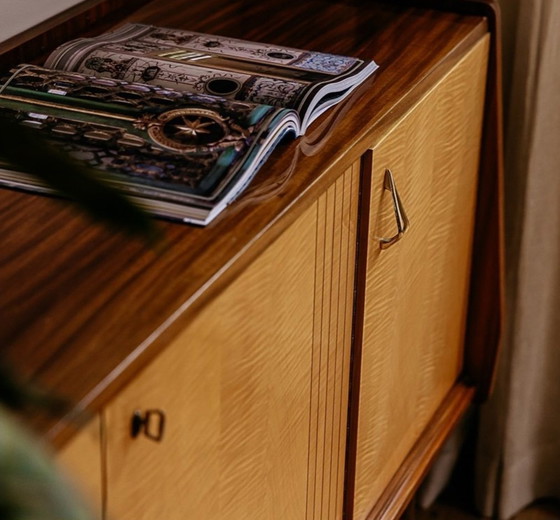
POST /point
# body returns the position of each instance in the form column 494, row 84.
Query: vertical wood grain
column 417, row 291
column 254, row 390
column 336, row 250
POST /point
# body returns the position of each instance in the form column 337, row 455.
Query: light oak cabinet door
column 82, row 461
column 253, row 392
column 417, row 289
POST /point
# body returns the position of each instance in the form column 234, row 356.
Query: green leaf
column 31, row 487
column 26, row 151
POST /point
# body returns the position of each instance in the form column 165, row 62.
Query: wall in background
column 18, row 15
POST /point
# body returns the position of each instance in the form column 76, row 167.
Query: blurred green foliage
column 27, row 151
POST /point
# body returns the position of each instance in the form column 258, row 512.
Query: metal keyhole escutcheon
column 150, row 423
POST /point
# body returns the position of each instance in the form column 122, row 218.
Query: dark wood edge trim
column 480, row 371
column 404, row 483
column 486, row 315
column 34, row 43
column 366, row 172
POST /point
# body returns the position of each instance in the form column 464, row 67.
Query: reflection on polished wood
column 84, row 309
column 303, row 372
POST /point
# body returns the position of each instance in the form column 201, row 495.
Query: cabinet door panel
column 417, row 289
column 81, row 458
column 253, row 391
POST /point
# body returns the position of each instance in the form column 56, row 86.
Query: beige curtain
column 519, row 436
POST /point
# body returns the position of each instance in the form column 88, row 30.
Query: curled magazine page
column 306, row 81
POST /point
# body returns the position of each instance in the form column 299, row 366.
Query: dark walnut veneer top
column 83, row 309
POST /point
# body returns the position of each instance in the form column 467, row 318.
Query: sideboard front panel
column 253, row 392
column 417, row 288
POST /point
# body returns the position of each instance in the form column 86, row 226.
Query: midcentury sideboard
column 306, row 354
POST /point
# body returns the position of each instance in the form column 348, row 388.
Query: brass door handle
column 400, row 214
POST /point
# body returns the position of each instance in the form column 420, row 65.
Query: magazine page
column 217, row 65
column 156, row 143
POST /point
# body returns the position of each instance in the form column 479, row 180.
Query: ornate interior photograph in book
column 179, row 121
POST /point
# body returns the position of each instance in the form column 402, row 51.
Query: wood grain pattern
column 487, row 310
column 254, row 390
column 334, row 286
column 416, row 291
column 487, row 302
column 235, row 389
column 81, row 459
column 84, row 310
column 405, row 481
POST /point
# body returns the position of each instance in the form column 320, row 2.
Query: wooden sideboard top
column 83, row 309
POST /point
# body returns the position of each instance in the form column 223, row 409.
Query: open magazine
column 180, row 121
